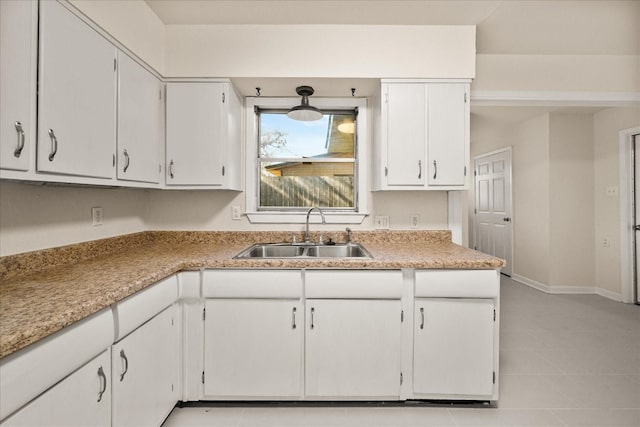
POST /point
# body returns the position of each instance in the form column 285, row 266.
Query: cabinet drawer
column 142, row 306
column 28, row 372
column 252, row 284
column 457, row 283
column 363, row 284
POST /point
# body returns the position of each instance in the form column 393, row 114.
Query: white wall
column 133, row 24
column 571, row 202
column 606, row 126
column 583, row 73
column 211, row 210
column 342, row 51
column 36, row 217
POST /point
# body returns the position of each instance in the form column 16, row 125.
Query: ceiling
column 554, row 27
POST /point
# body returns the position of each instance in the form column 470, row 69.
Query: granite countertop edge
column 38, row 304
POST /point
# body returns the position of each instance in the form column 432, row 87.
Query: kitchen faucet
column 348, row 230
column 306, row 232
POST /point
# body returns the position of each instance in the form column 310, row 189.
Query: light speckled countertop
column 42, row 292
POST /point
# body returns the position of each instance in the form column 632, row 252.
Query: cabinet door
column 139, row 122
column 146, row 367
column 447, row 134
column 453, row 346
column 353, row 348
column 405, row 118
column 17, row 82
column 253, row 348
column 76, row 106
column 195, row 133
column 82, row 399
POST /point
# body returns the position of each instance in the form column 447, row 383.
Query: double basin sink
column 304, row 250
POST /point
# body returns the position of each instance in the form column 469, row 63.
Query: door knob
column 636, row 227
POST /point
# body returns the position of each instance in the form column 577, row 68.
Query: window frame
column 298, row 215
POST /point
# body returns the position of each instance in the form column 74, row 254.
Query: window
column 292, row 165
column 306, row 164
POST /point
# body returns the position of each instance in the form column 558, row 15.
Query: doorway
column 636, row 216
column 493, row 220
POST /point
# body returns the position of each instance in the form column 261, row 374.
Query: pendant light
column 304, row 112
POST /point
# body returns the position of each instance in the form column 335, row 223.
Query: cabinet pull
column 435, row 169
column 171, row 169
column 312, row 311
column 103, row 383
column 293, row 326
column 20, row 146
column 223, row 171
column 421, row 318
column 126, row 160
column 54, row 145
column 419, row 169
column 126, row 364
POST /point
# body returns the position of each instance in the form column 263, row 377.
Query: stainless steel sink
column 286, row 250
column 337, row 251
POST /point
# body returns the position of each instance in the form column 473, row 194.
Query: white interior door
column 493, row 225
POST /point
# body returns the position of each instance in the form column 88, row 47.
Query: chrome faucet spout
column 306, row 230
column 348, row 230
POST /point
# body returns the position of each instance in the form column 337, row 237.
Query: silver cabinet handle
column 126, row 159
column 103, row 382
column 293, row 326
column 312, row 311
column 506, row 219
column 223, row 171
column 20, row 145
column 435, row 169
column 126, row 364
column 54, row 145
column 171, row 169
column 419, row 169
column 421, row 318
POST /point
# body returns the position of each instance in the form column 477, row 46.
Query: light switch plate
column 612, row 191
column 235, row 212
column 414, row 220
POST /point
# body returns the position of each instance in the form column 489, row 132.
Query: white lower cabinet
column 146, row 368
column 253, row 348
column 82, row 399
column 454, row 346
column 353, row 348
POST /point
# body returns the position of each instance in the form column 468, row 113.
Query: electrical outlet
column 235, row 213
column 414, row 220
column 381, row 222
column 96, row 216
column 612, row 191
column 605, row 242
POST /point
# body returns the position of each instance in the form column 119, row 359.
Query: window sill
column 301, row 217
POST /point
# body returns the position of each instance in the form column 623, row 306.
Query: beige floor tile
column 505, row 417
column 599, row 417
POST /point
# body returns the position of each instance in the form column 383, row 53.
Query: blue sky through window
column 304, row 139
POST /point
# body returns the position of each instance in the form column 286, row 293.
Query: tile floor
column 565, row 360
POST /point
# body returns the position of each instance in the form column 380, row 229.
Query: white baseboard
column 616, row 296
column 530, row 282
column 589, row 290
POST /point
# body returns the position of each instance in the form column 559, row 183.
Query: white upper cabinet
column 77, row 96
column 405, row 111
column 422, row 140
column 203, row 135
column 18, row 40
column 447, row 134
column 139, row 122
